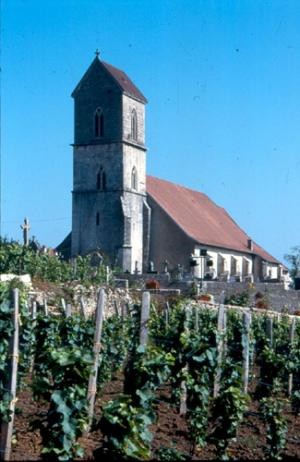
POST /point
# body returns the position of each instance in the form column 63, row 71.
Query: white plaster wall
column 227, row 255
column 272, row 271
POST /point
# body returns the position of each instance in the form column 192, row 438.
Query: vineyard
column 174, row 381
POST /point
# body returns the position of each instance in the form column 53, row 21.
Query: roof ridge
column 184, row 187
column 128, row 86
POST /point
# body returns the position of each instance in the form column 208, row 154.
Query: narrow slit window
column 97, row 219
column 98, row 123
column 101, row 180
column 134, row 181
column 134, row 125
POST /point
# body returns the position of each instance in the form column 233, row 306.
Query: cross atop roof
column 97, row 53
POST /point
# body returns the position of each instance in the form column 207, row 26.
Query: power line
column 38, row 221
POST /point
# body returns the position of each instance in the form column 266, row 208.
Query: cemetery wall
column 277, row 296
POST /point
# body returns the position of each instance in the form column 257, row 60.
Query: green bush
column 19, row 259
column 238, row 299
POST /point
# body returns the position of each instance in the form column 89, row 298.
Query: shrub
column 262, row 303
column 238, row 299
column 18, row 259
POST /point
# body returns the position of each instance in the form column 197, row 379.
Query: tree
column 294, row 260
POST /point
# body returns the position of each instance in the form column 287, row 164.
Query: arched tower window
column 98, row 123
column 101, row 180
column 134, row 181
column 134, row 125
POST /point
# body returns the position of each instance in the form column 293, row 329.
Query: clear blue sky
column 223, row 82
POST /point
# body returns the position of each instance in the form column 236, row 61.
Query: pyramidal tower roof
column 120, row 77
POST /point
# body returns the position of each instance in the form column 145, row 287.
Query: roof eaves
column 140, row 100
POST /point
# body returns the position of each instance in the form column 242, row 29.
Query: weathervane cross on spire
column 97, row 53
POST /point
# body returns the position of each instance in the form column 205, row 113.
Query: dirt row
column 170, row 430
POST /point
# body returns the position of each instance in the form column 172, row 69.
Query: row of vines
column 181, row 347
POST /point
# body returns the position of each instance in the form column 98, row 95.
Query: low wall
column 278, row 297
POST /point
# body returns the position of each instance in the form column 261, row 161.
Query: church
column 138, row 221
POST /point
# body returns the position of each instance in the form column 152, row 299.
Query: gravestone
column 179, row 272
column 96, row 259
column 151, row 268
column 165, row 266
column 136, row 267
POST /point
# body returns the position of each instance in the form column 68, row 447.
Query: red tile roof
column 124, row 81
column 201, row 219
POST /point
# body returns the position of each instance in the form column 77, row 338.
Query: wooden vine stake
column 33, row 312
column 63, row 304
column 183, row 388
column 68, row 310
column 145, row 313
column 107, row 274
column 220, row 347
column 45, row 307
column 116, row 308
column 167, row 311
column 292, row 338
column 92, row 387
column 124, row 310
column 7, row 427
column 83, row 308
column 33, row 316
column 196, row 319
column 246, row 349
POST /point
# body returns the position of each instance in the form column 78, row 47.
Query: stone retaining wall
column 279, row 298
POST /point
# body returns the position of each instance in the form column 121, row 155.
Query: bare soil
column 170, row 430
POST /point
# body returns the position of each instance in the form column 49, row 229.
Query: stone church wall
column 88, row 201
column 87, row 162
column 95, row 91
column 134, row 158
column 168, row 241
column 130, row 104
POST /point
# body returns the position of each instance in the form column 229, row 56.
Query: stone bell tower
column 109, row 210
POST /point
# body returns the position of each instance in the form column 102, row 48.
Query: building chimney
column 250, row 244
